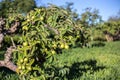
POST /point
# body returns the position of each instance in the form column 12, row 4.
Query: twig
column 13, row 42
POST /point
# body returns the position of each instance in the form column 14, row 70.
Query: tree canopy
column 23, row 6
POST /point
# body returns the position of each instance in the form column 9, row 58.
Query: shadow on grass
column 74, row 71
column 77, row 69
column 98, row 44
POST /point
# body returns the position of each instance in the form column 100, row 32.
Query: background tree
column 23, row 6
column 115, row 18
column 90, row 17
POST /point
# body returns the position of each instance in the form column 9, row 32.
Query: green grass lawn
column 95, row 63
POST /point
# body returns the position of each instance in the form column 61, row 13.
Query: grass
column 109, row 51
column 95, row 63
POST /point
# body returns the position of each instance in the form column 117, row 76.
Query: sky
column 106, row 8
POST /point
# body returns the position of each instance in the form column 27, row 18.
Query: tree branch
column 52, row 29
column 7, row 61
column 14, row 27
column 8, row 54
column 1, row 39
column 2, row 63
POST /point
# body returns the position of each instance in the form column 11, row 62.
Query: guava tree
column 37, row 37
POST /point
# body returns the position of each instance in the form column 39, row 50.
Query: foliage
column 90, row 18
column 45, row 33
column 112, row 27
column 16, row 5
column 42, row 33
column 6, row 74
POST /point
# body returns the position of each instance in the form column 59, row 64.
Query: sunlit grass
column 107, row 56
